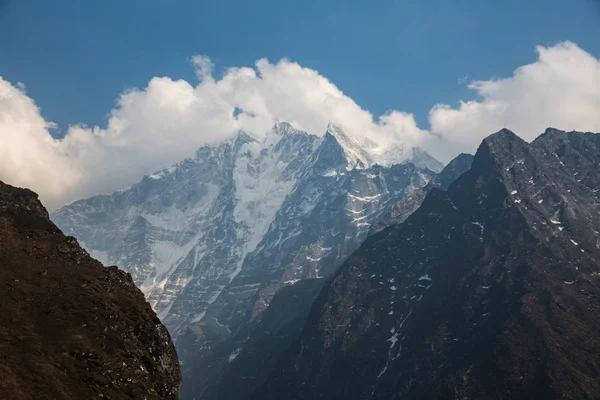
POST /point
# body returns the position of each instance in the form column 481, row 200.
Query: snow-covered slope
column 212, row 239
column 363, row 153
column 191, row 225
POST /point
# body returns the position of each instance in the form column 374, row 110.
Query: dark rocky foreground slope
column 490, row 290
column 69, row 327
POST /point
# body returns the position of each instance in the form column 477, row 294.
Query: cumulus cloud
column 165, row 121
column 29, row 156
column 560, row 90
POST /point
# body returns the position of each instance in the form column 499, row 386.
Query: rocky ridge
column 489, row 290
column 70, row 327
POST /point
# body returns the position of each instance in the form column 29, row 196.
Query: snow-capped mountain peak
column 284, row 128
column 355, row 152
column 243, row 138
column 240, row 219
column 364, row 152
column 253, row 213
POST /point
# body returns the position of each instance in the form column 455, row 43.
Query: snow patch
column 234, row 354
column 393, row 339
column 198, row 317
column 259, row 191
column 365, row 199
column 480, row 225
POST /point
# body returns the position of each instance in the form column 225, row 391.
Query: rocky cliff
column 71, row 328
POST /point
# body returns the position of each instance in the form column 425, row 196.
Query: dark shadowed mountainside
column 280, row 325
column 490, row 290
column 71, row 328
column 283, row 321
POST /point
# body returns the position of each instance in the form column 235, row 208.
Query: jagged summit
column 361, row 153
column 422, row 159
column 243, row 137
column 503, row 136
column 284, row 128
column 341, row 148
column 364, row 153
column 551, row 130
column 499, row 147
column 356, row 152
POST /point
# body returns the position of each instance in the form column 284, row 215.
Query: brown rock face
column 69, row 327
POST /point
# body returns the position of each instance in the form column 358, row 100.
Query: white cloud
column 29, row 156
column 167, row 120
column 560, row 90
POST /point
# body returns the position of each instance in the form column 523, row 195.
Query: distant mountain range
column 303, row 267
column 214, row 238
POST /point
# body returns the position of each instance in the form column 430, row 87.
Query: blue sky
column 135, row 85
column 75, row 57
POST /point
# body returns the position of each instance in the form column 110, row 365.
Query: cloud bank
column 167, row 120
column 560, row 90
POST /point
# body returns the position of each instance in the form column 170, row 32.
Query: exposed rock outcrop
column 69, row 327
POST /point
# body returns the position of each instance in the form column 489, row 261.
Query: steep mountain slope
column 490, row 290
column 71, row 328
column 254, row 360
column 211, row 240
column 404, row 208
column 260, row 339
column 184, row 232
column 320, row 224
column 364, row 152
